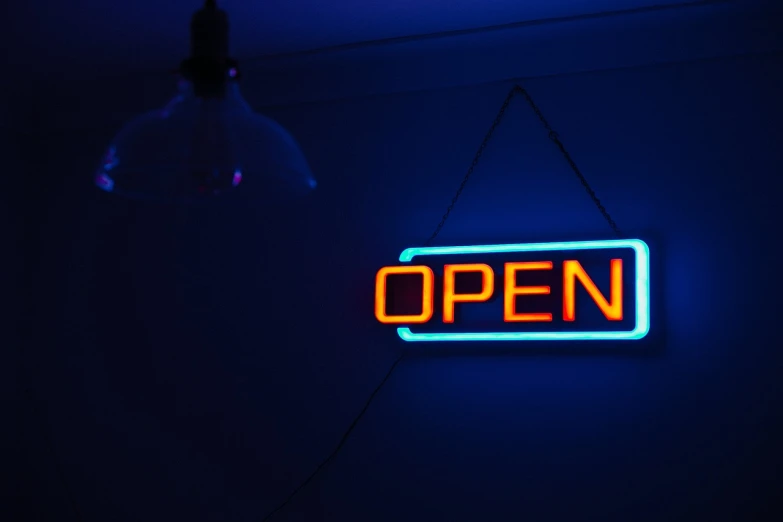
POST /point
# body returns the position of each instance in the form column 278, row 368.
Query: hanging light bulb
column 207, row 140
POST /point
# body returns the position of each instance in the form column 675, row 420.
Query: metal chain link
column 517, row 89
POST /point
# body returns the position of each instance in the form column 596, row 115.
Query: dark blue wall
column 198, row 366
column 11, row 282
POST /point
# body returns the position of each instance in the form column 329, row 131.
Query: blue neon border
column 640, row 330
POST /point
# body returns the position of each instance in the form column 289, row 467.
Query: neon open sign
column 582, row 290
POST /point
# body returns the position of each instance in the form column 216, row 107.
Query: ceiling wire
column 437, row 35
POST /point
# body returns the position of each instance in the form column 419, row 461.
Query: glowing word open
column 583, row 290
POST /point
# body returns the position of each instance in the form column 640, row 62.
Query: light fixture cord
column 339, row 446
column 518, row 89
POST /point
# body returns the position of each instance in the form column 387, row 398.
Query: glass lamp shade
column 195, row 148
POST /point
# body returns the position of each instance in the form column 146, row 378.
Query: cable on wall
column 553, row 136
column 339, row 446
column 437, row 35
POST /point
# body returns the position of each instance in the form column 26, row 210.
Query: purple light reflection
column 103, row 181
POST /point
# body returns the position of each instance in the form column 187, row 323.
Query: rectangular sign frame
column 641, row 284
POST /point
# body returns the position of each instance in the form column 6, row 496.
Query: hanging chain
column 517, row 89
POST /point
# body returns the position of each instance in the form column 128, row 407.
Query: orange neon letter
column 510, row 314
column 428, row 291
column 449, row 297
column 572, row 271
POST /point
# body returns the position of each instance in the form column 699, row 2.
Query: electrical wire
column 78, row 514
column 339, row 446
column 437, row 35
